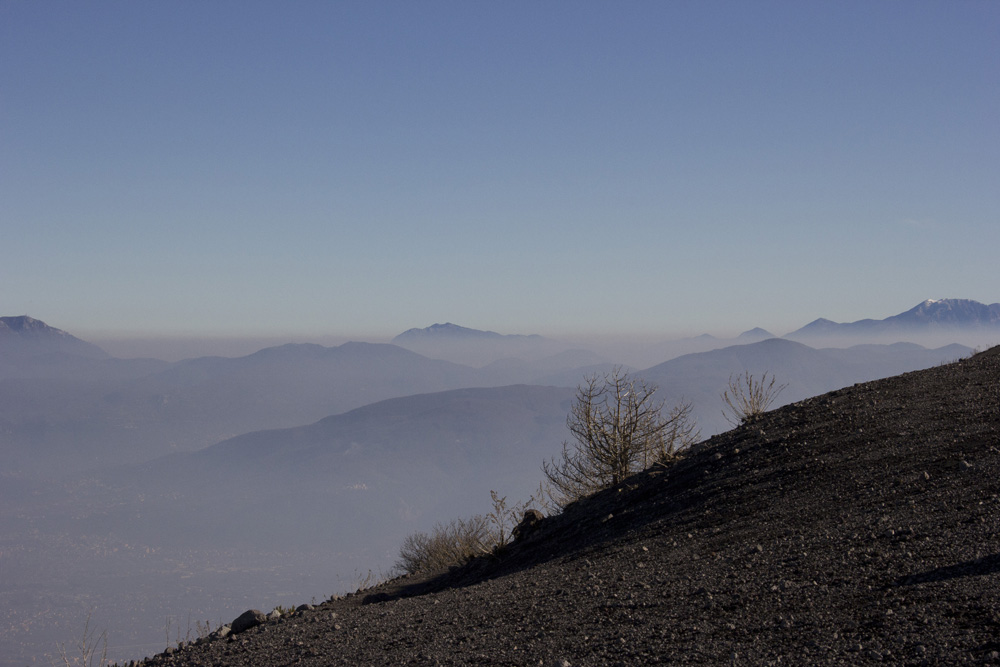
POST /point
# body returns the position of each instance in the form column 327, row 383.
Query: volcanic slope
column 855, row 527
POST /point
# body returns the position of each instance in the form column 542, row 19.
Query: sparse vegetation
column 204, row 629
column 503, row 519
column 456, row 542
column 446, row 545
column 681, row 433
column 619, row 428
column 368, row 580
column 92, row 647
column 747, row 398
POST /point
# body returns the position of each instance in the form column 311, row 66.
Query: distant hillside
column 701, row 378
column 355, row 481
column 656, row 353
column 56, row 427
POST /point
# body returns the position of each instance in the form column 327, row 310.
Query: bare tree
column 747, row 398
column 618, row 427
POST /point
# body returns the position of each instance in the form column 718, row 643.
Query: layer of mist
column 154, row 495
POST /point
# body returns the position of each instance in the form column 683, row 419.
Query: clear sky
column 360, row 168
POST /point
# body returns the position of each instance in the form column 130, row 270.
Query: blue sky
column 359, row 168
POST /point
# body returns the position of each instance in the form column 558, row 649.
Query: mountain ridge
column 477, row 348
column 928, row 315
column 23, row 335
column 454, row 331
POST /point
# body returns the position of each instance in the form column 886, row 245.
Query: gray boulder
column 246, row 620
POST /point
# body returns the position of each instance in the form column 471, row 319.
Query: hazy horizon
column 680, row 329
column 354, row 170
column 635, row 349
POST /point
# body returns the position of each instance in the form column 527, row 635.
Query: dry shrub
column 747, row 398
column 446, row 545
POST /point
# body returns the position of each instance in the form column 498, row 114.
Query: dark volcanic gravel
column 855, row 527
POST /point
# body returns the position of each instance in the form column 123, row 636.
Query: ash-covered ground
column 855, row 527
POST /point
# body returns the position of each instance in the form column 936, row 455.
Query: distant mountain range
column 931, row 323
column 58, row 391
column 928, row 318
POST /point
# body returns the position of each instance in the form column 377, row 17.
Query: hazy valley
column 139, row 490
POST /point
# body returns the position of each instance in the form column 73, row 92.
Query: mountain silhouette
column 455, row 332
column 474, row 347
column 30, row 348
column 930, row 317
